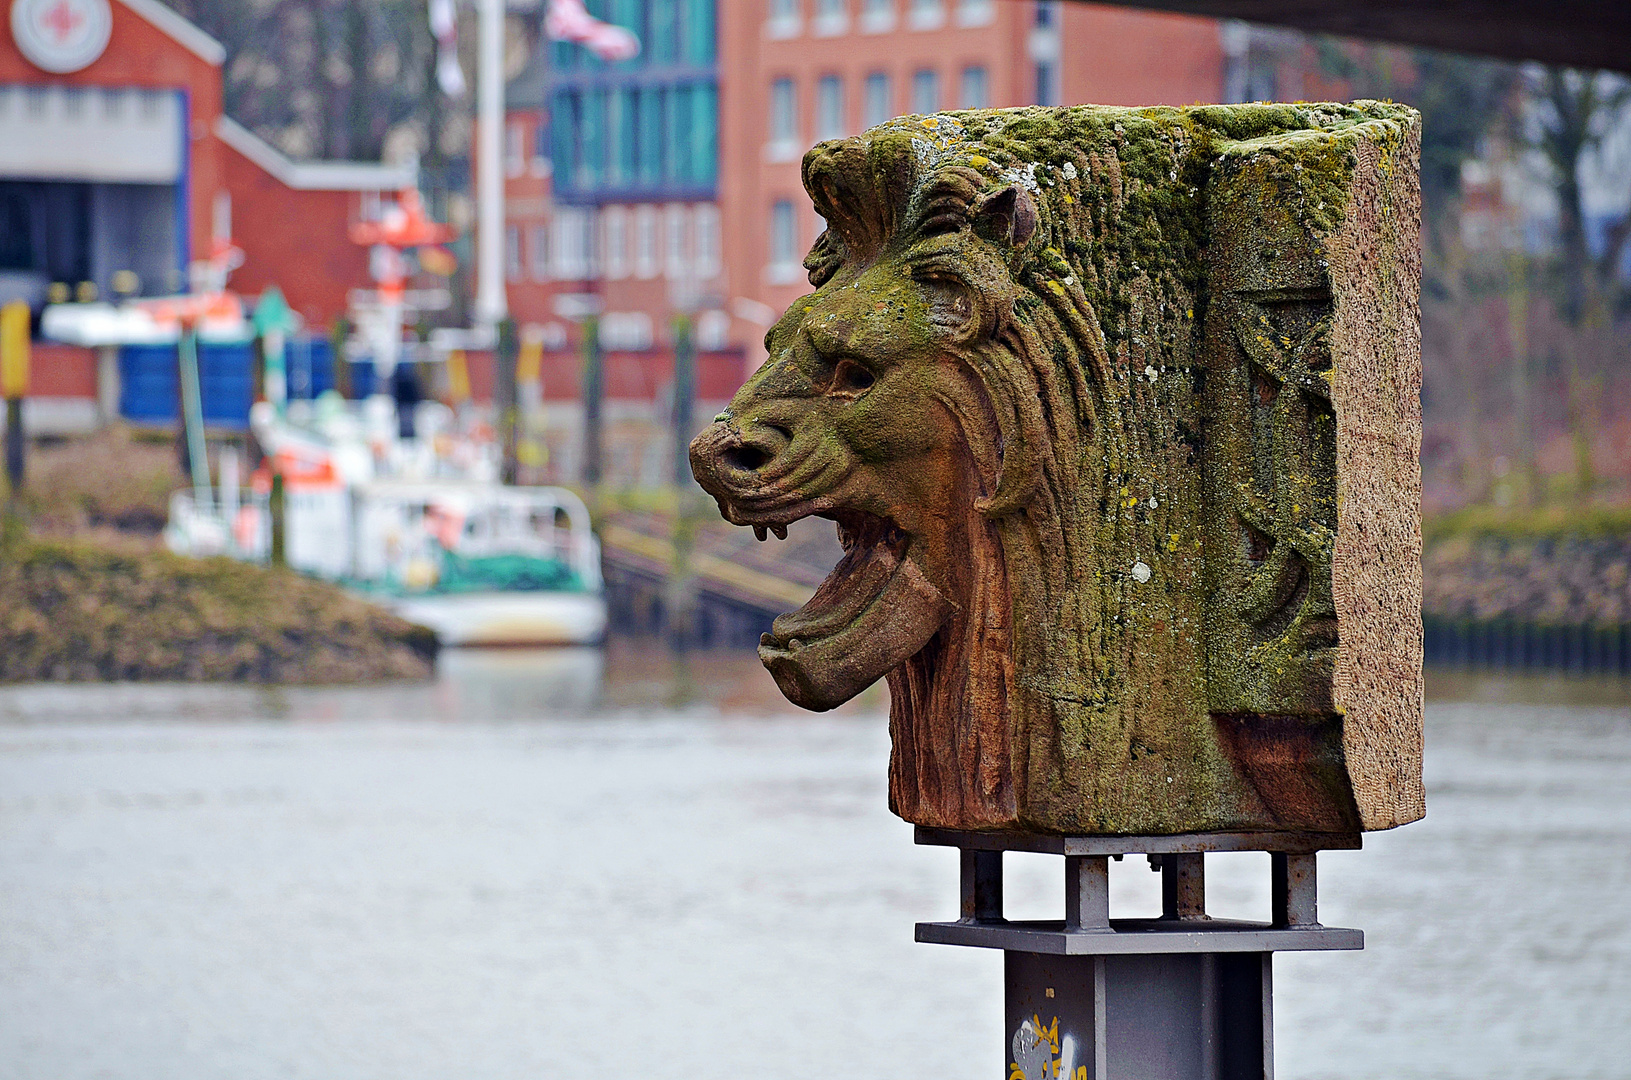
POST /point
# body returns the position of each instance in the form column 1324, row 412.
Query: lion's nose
column 734, row 451
column 757, row 446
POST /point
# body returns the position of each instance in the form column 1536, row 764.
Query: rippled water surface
column 569, row 866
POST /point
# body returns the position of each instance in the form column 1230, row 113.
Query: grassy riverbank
column 1558, row 565
column 81, row 611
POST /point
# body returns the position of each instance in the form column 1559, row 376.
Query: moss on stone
column 1089, row 252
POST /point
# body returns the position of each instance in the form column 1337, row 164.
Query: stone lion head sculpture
column 997, row 392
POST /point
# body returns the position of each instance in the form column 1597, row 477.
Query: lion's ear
column 1007, row 216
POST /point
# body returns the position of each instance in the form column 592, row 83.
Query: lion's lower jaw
column 873, row 612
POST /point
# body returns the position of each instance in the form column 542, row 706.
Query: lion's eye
column 851, row 379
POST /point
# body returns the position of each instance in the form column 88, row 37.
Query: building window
column 700, row 133
column 515, row 150
column 617, row 123
column 783, row 244
column 625, row 107
column 573, row 244
column 708, row 253
column 926, row 15
column 700, row 33
column 1044, row 50
column 976, row 89
column 784, row 19
column 681, row 143
column 542, row 165
column 614, row 242
column 713, row 331
column 592, row 167
column 876, row 108
column 512, row 252
column 877, row 16
column 831, row 18
column 623, row 139
column 645, row 242
column 784, row 128
column 650, row 138
column 976, row 12
column 675, row 263
column 830, row 108
column 538, row 243
column 563, row 111
column 629, row 14
column 662, row 41
column 626, row 331
column 925, row 91
column 1047, row 82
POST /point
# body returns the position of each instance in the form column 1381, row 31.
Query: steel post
column 1180, row 997
column 15, row 444
column 593, row 392
column 1172, row 1016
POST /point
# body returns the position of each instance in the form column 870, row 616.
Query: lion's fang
column 780, row 531
column 759, row 532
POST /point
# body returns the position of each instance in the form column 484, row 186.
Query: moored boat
column 418, row 524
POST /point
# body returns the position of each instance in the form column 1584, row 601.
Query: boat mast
column 491, row 304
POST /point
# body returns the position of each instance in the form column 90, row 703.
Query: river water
column 568, row 865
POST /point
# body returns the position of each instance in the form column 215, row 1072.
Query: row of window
column 634, row 138
column 72, row 102
column 671, row 32
column 878, row 103
column 614, row 242
column 635, row 331
column 829, row 18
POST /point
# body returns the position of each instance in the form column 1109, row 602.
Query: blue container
column 226, row 374
column 311, row 366
column 147, row 383
column 362, row 378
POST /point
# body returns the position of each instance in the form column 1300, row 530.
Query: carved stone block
column 1117, row 412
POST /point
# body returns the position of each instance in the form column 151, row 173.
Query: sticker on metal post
column 1041, row 1054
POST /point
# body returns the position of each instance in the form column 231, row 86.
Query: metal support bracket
column 1294, row 887
column 1184, row 926
column 1183, row 884
column 1181, row 997
column 1087, row 893
column 981, row 886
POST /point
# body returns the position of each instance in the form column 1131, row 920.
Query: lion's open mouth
column 871, row 613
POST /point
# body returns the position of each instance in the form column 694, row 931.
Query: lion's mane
column 1090, row 365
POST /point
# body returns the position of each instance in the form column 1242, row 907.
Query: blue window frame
column 646, row 128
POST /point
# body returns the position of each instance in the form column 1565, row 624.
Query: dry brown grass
column 115, row 484
column 71, row 610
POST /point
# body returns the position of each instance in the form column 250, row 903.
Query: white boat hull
column 508, row 618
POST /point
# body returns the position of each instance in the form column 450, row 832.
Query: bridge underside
column 1576, row 33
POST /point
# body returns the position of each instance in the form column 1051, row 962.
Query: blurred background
column 379, row 691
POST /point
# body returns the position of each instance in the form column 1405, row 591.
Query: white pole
column 491, row 305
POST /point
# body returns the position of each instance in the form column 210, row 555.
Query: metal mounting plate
column 1287, row 842
column 1127, row 936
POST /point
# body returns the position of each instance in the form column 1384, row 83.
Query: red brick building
column 795, row 72
column 608, row 208
column 118, row 169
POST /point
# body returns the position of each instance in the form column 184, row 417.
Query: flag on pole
column 569, row 20
column 444, row 27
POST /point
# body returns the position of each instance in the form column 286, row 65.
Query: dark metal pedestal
column 1182, row 997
